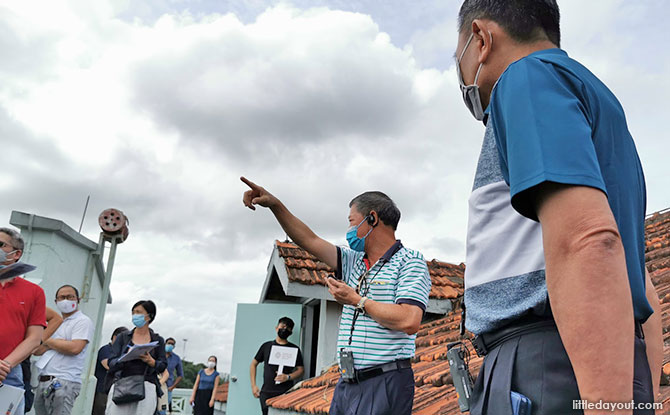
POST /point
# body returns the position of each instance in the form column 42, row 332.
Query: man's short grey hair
column 524, row 20
column 16, row 240
column 386, row 209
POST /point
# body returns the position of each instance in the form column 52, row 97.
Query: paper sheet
column 137, row 350
column 44, row 360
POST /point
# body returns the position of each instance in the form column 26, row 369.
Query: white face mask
column 471, row 94
column 3, row 257
column 67, row 306
column 211, row 364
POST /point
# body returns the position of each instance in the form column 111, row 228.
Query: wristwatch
column 288, row 377
column 361, row 304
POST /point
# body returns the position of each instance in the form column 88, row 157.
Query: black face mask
column 283, row 333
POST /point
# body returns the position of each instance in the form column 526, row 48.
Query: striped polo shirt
column 397, row 278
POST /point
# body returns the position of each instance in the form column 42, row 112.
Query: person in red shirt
column 22, row 312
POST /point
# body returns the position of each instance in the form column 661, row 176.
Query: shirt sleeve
column 180, row 369
column 543, row 131
column 38, row 311
column 299, row 362
column 260, row 355
column 349, row 257
column 413, row 283
column 160, row 357
column 82, row 329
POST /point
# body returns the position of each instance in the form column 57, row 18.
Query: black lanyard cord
column 366, row 290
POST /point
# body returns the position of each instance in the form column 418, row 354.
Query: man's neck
column 3, row 282
column 281, row 341
column 379, row 247
column 168, row 354
column 66, row 315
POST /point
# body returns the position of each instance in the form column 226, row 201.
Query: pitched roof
column 304, row 268
column 434, row 392
column 222, row 392
column 657, row 257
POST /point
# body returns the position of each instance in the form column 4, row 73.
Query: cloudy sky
column 156, row 107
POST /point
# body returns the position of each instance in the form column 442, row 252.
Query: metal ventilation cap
column 114, row 224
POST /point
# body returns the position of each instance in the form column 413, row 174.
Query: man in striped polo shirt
column 383, row 288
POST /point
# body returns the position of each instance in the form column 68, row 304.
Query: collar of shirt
column 387, row 255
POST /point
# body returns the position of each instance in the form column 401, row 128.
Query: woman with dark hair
column 144, row 369
column 204, row 389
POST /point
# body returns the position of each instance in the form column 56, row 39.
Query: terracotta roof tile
column 304, row 268
column 222, row 392
column 434, row 393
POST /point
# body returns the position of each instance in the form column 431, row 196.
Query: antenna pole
column 84, row 215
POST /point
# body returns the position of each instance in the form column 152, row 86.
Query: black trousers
column 391, row 393
column 536, row 365
column 264, row 397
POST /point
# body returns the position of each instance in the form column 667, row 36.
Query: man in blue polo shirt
column 383, row 288
column 174, row 365
column 556, row 287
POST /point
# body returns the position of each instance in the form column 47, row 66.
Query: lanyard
column 361, row 279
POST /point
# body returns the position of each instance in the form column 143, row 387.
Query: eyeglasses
column 66, row 297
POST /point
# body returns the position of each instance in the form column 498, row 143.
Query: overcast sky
column 156, row 107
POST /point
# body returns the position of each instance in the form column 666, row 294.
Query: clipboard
column 14, row 270
column 137, row 350
column 10, row 398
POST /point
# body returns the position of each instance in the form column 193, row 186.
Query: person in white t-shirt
column 63, row 357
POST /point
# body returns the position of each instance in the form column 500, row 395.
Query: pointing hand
column 257, row 196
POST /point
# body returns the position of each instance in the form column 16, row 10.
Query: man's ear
column 482, row 39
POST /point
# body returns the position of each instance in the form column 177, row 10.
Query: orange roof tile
column 434, row 393
column 222, row 392
column 304, row 268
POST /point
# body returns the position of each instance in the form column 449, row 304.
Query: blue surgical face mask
column 169, row 348
column 138, row 320
column 356, row 243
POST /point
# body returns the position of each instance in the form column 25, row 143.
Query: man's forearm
column 591, row 302
column 252, row 375
column 302, row 235
column 68, row 347
column 398, row 317
column 23, row 350
column 653, row 336
column 176, row 381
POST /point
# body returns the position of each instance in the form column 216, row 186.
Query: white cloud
column 160, row 119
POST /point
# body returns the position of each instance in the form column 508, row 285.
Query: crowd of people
column 141, row 385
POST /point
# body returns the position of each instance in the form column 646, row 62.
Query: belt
column 47, row 378
column 373, row 371
column 484, row 343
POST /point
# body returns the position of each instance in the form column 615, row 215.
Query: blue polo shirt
column 553, row 120
column 174, row 363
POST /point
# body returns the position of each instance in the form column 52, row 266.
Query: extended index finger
column 249, row 183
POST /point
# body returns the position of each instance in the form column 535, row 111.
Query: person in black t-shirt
column 274, row 383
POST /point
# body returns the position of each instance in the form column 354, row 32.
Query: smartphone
column 521, row 405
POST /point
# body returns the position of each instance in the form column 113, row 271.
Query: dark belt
column 373, row 371
column 486, row 342
column 47, row 378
